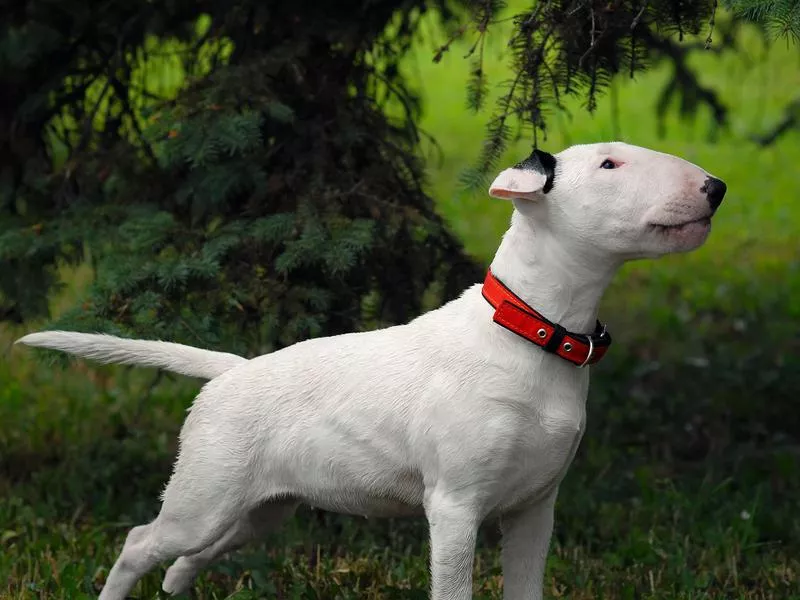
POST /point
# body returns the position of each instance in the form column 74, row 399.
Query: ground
column 687, row 484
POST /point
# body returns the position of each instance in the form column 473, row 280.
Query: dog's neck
column 562, row 283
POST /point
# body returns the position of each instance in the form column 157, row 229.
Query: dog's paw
column 179, row 577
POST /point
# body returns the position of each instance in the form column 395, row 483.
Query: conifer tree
column 266, row 196
column 271, row 200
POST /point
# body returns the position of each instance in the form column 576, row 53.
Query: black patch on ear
column 542, row 162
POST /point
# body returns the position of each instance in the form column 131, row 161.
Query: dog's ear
column 528, row 179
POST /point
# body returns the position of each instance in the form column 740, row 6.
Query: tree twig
column 790, row 120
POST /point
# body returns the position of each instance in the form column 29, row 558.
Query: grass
column 686, row 485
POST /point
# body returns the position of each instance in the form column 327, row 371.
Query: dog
column 468, row 412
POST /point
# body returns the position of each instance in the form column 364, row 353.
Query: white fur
column 449, row 416
column 185, row 360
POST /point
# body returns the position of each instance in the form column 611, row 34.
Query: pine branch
column 780, row 18
column 789, row 120
column 577, row 47
column 685, row 82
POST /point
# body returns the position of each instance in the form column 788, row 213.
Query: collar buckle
column 591, row 350
column 520, row 318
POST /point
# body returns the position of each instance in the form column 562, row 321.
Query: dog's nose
column 715, row 191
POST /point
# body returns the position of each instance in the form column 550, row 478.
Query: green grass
column 686, row 484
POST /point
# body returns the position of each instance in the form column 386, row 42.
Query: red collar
column 515, row 315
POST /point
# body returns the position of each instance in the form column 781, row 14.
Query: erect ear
column 527, row 179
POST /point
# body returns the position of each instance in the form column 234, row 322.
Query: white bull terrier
column 471, row 411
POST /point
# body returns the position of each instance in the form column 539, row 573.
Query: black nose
column 715, row 191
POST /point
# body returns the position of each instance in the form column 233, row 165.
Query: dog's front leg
column 526, row 540
column 453, row 530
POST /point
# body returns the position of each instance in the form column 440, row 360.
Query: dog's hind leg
column 258, row 523
column 173, row 533
column 207, row 494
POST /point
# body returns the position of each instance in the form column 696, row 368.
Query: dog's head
column 622, row 200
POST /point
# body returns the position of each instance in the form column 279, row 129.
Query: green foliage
column 686, row 483
column 258, row 207
column 266, row 114
column 780, row 18
column 563, row 49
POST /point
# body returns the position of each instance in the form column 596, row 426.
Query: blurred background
column 244, row 175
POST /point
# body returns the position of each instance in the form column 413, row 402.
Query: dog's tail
column 187, row 360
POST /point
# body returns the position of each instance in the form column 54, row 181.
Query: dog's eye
column 608, row 164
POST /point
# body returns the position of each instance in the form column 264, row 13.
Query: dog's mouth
column 703, row 222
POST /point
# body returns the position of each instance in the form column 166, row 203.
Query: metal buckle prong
column 591, row 353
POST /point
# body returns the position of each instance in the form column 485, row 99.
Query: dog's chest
column 541, row 446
